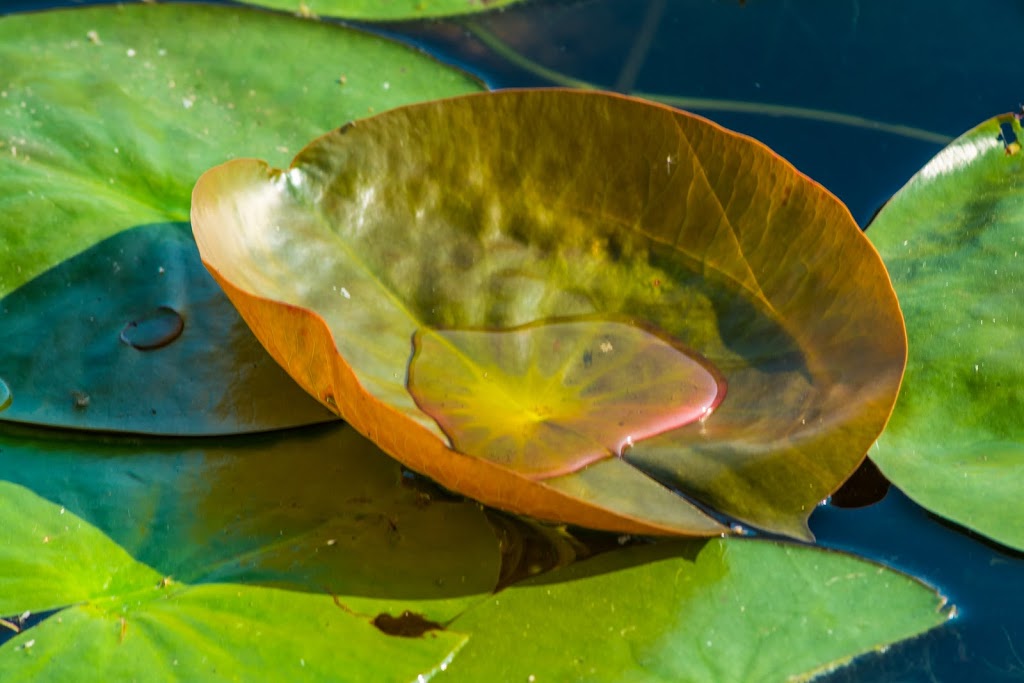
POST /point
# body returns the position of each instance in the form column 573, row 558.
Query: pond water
column 858, row 95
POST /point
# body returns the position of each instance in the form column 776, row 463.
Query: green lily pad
column 383, row 10
column 180, row 88
column 701, row 612
column 123, row 321
column 951, row 239
column 318, row 509
column 296, row 552
column 125, row 621
column 495, row 211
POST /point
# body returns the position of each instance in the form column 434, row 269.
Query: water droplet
column 153, row 331
column 5, row 395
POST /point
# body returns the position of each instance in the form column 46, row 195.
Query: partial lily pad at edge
column 953, row 244
column 383, row 10
column 181, row 87
column 501, row 210
column 719, row 611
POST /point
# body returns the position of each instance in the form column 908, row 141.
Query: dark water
column 903, row 78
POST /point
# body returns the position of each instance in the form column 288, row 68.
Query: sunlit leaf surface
column 496, row 211
column 107, row 117
column 952, row 240
column 720, row 611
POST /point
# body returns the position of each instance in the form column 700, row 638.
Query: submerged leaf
column 555, row 397
column 461, row 221
column 952, row 240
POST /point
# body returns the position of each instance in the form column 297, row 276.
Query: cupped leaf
column 952, row 241
column 383, row 10
column 139, row 338
column 457, row 222
column 289, row 555
column 696, row 612
column 107, row 117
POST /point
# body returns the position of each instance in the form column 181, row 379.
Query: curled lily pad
column 952, row 241
column 452, row 224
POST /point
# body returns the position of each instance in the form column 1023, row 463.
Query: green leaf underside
column 952, row 241
column 133, row 335
column 696, row 612
column 548, row 399
column 180, row 88
column 383, row 10
column 502, row 210
column 281, row 550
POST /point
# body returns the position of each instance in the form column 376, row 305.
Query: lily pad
column 260, row 556
column 180, row 88
column 317, row 509
column 501, row 210
column 383, row 10
column 122, row 321
column 953, row 244
column 701, row 612
column 124, row 621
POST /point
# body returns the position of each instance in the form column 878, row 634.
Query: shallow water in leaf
column 552, row 397
column 5, row 395
column 154, row 330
